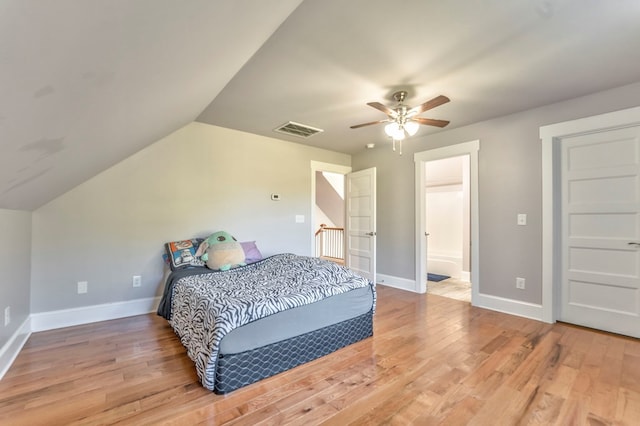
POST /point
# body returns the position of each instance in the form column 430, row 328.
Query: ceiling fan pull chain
column 394, row 144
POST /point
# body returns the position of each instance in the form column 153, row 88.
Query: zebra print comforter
column 205, row 307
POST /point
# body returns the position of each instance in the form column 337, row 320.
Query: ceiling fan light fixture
column 394, row 130
column 391, row 128
column 411, row 127
column 402, row 120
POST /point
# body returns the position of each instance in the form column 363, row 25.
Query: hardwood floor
column 451, row 288
column 432, row 360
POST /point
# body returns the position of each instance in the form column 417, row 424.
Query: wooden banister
column 330, row 242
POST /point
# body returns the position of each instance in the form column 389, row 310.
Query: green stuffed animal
column 221, row 252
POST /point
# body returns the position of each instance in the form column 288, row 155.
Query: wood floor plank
column 432, row 360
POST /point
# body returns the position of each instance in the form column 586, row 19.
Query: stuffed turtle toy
column 221, row 252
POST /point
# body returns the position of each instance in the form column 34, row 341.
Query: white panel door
column 361, row 222
column 601, row 230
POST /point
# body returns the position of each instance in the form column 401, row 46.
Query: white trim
column 12, row 348
column 509, row 306
column 69, row 317
column 550, row 137
column 88, row 314
column 486, row 301
column 396, row 282
column 420, row 158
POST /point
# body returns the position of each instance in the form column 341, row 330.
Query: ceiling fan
column 403, row 119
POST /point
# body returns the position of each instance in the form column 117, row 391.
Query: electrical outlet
column 520, row 283
column 136, row 280
column 83, row 287
column 522, row 219
column 7, row 315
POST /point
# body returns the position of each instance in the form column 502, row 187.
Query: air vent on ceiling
column 297, row 129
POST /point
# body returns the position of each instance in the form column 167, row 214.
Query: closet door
column 600, row 178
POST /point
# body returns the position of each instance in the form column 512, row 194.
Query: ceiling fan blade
column 431, row 121
column 383, row 108
column 357, row 126
column 437, row 101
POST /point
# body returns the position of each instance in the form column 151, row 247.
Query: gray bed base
column 237, row 370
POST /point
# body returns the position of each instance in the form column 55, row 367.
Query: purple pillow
column 251, row 252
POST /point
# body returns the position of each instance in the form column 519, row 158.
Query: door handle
column 371, row 234
column 632, row 243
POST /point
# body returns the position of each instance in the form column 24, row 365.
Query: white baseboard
column 88, row 314
column 69, row 317
column 481, row 300
column 396, row 282
column 508, row 306
column 465, row 276
column 12, row 348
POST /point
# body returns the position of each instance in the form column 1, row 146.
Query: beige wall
column 15, row 269
column 509, row 183
column 195, row 181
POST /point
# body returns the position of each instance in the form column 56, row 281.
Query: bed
column 255, row 321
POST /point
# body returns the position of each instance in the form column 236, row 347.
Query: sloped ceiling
column 84, row 84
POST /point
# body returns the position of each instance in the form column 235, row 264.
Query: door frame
column 551, row 137
column 421, row 158
column 318, row 166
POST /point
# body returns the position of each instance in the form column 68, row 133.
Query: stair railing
column 330, row 242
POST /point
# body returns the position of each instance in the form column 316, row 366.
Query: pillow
column 251, row 252
column 182, row 254
column 221, row 252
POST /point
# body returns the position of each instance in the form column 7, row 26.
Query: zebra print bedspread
column 207, row 307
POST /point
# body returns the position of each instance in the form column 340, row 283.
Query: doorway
column 328, row 210
column 421, row 159
column 447, row 199
column 359, row 207
column 329, row 216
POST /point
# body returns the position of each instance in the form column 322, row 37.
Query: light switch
column 299, row 218
column 522, row 219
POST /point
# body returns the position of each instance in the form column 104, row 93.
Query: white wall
column 321, row 218
column 509, row 183
column 444, row 207
column 198, row 180
column 444, row 220
column 15, row 270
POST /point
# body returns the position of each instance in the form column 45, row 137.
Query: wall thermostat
column 275, row 197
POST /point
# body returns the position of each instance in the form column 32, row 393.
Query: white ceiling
column 491, row 57
column 84, row 84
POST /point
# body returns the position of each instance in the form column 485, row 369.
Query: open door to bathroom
column 447, row 215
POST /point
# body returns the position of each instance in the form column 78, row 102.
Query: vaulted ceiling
column 85, row 84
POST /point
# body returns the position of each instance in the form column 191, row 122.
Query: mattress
column 298, row 321
column 283, row 298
